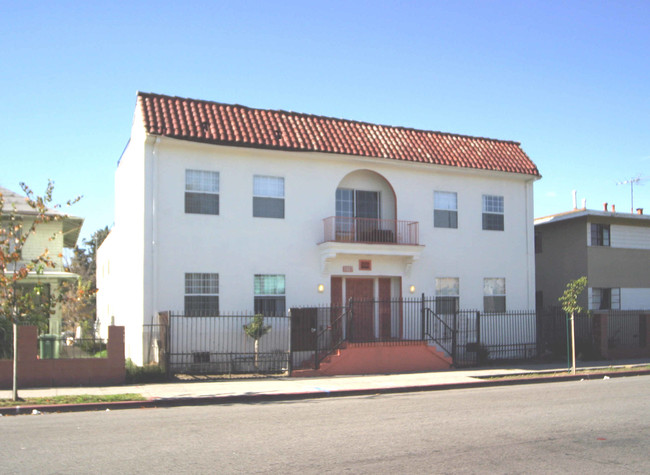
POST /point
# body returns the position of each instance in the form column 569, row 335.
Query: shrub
column 151, row 373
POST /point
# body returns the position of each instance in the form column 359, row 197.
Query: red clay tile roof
column 235, row 125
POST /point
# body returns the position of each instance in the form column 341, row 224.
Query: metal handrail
column 338, row 322
column 370, row 230
column 451, row 351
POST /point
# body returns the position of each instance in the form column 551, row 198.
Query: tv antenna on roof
column 631, row 182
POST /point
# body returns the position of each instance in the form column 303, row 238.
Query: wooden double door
column 371, row 308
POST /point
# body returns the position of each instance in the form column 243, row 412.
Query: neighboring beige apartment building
column 611, row 249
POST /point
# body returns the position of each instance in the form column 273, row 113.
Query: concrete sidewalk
column 286, row 388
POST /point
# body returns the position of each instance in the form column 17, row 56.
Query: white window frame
column 275, row 293
column 447, row 288
column 444, row 208
column 493, row 206
column 268, row 189
column 202, row 184
column 205, row 286
column 494, row 288
column 596, row 296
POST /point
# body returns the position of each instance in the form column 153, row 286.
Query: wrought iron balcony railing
column 371, row 231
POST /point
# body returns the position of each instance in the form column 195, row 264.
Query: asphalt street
column 599, row 426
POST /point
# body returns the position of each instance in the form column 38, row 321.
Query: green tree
column 79, row 301
column 256, row 330
column 569, row 301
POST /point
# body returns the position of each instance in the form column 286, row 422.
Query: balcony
column 371, row 231
column 378, row 238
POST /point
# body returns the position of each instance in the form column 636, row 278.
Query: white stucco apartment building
column 224, row 208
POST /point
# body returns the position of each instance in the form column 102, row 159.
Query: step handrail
column 443, row 343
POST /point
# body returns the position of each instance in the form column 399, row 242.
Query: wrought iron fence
column 626, row 333
column 469, row 337
column 626, row 330
column 219, row 345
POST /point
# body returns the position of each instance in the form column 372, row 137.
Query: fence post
column 316, row 358
column 478, row 330
column 423, row 317
column 290, row 362
column 168, row 347
column 350, row 313
column 454, row 332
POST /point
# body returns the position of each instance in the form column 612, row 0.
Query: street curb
column 485, row 381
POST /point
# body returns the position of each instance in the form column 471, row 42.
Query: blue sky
column 569, row 80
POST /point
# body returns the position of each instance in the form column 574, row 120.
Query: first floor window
column 268, row 197
column 447, row 295
column 599, row 234
column 493, row 213
column 605, row 299
column 494, row 295
column 445, row 209
column 201, row 192
column 269, row 295
column 201, row 294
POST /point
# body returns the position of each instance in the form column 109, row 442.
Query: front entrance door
column 361, row 291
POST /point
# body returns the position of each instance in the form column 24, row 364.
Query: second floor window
column 268, row 197
column 201, row 192
column 445, row 209
column 493, row 213
column 600, row 234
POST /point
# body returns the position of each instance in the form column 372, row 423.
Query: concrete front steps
column 380, row 358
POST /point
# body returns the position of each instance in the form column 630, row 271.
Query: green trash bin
column 48, row 346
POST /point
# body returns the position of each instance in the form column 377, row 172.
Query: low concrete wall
column 35, row 372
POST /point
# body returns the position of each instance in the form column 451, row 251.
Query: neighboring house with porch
column 610, row 248
column 223, row 208
column 52, row 236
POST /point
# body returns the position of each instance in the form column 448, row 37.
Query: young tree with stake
column 569, row 301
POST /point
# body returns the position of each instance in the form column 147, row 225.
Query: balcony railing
column 371, row 231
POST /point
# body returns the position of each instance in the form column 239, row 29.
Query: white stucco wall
column 121, row 292
column 237, row 246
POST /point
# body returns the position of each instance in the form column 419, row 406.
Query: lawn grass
column 77, row 399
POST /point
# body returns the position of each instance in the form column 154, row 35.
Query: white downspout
column 530, row 249
column 154, row 227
